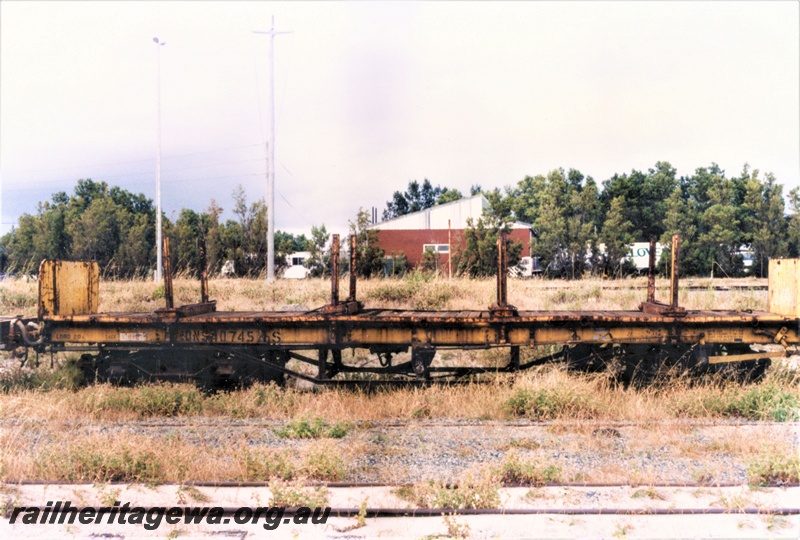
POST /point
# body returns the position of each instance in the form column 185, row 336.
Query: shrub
column 312, row 429
column 768, row 401
column 295, row 495
column 324, row 462
column 549, row 403
column 516, row 471
column 265, row 465
column 474, row 490
column 774, row 468
column 100, row 463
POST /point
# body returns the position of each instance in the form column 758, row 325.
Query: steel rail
column 379, row 424
column 342, row 485
column 438, row 512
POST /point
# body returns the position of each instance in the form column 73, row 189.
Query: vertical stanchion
column 449, row 252
column 498, row 293
column 501, row 308
column 676, row 248
column 335, row 270
column 167, row 274
column 201, row 248
column 353, row 260
column 502, row 271
column 651, row 272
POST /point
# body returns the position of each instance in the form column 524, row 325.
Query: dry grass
column 130, row 457
column 415, row 291
column 544, row 394
column 72, row 436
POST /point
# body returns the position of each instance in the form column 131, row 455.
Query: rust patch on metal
column 68, row 288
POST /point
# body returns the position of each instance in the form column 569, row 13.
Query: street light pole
column 271, row 152
column 159, row 262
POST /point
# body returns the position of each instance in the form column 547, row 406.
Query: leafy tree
column 793, row 235
column 721, row 237
column 559, row 227
column 500, row 204
column 527, row 198
column 430, row 260
column 762, row 217
column 215, row 254
column 680, row 219
column 188, row 229
column 319, row 262
column 616, row 235
column 286, row 244
column 245, row 240
column 478, row 257
column 135, row 252
column 646, row 194
column 418, row 197
column 369, row 260
column 449, row 195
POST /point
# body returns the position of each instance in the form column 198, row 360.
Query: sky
column 372, row 95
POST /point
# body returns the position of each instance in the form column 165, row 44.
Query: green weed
column 549, row 403
column 89, row 463
column 474, row 490
column 294, row 495
column 146, row 401
column 516, row 471
column 313, row 429
column 259, row 465
column 324, row 462
column 774, row 468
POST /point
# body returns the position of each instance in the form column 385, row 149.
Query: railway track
column 417, row 424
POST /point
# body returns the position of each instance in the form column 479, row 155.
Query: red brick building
column 412, row 234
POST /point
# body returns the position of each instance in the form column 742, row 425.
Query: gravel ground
column 675, row 452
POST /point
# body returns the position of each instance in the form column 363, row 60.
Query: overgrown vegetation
column 771, row 400
column 516, row 470
column 774, row 468
column 475, row 489
column 312, row 429
column 544, row 394
column 550, row 403
column 423, row 290
column 95, row 461
column 321, row 462
column 146, row 400
column 296, row 494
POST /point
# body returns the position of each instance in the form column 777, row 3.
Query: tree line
column 582, row 228
column 116, row 228
column 579, row 227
